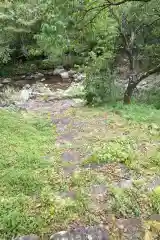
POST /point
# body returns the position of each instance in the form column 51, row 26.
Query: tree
column 19, row 20
column 139, row 36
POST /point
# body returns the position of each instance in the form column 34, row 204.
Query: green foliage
column 128, row 202
column 155, row 198
column 24, row 172
column 137, row 113
column 120, row 150
column 100, row 88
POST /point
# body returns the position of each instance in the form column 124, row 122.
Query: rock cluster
column 84, row 233
column 63, row 74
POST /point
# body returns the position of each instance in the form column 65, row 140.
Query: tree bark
column 135, row 80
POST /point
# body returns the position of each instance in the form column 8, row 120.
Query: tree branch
column 147, row 74
column 124, row 1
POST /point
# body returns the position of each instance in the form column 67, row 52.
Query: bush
column 100, row 87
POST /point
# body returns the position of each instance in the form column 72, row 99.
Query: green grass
column 139, row 113
column 30, row 183
column 32, row 178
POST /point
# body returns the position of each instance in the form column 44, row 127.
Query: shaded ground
column 105, row 162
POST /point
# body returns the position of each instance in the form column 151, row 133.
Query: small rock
column 58, row 71
column 25, row 93
column 38, row 75
column 79, row 102
column 64, row 75
column 80, row 77
column 6, row 80
column 43, row 79
column 29, row 77
column 50, row 73
column 71, row 73
column 1, row 85
column 27, row 237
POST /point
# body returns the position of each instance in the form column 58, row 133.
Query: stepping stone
column 99, row 189
column 71, row 156
column 93, row 165
column 69, row 170
column 66, row 137
column 126, row 183
column 64, row 121
column 69, row 194
column 27, row 237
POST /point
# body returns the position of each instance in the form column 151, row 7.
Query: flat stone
column 154, row 217
column 69, row 194
column 99, row 189
column 85, row 233
column 28, row 237
column 71, row 156
column 65, row 137
column 93, row 165
column 61, row 121
column 58, row 71
column 69, row 170
column 126, row 183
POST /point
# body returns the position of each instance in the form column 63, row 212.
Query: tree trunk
column 129, row 91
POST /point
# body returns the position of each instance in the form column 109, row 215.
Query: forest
column 96, row 36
